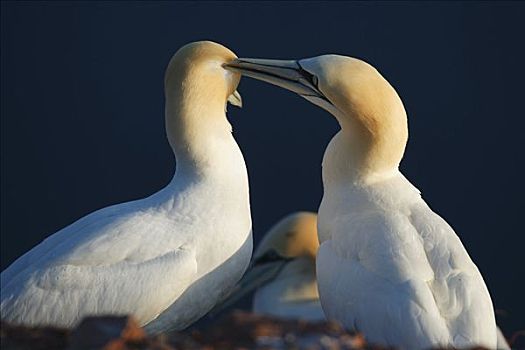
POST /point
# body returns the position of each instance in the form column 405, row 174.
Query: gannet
column 283, row 271
column 166, row 259
column 387, row 266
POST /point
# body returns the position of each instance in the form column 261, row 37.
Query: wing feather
column 387, row 312
column 99, row 265
column 405, row 280
column 459, row 290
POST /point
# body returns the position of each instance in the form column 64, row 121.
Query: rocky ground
column 238, row 330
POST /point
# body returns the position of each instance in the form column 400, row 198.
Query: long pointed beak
column 255, row 277
column 286, row 74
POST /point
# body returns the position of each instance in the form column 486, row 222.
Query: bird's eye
column 315, row 81
column 309, row 76
column 268, row 257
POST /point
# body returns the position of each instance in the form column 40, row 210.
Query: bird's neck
column 200, row 136
column 362, row 153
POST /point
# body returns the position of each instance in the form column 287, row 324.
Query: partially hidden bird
column 282, row 272
column 388, row 265
column 168, row 258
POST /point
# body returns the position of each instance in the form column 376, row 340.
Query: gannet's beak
column 286, row 74
column 260, row 272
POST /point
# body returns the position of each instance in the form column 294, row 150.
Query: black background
column 82, row 112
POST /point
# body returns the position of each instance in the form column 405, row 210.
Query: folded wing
column 99, row 266
column 406, row 281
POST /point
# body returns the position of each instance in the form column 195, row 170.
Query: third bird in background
column 283, row 274
column 282, row 271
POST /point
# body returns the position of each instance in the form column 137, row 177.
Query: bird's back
column 133, row 258
column 86, row 267
column 67, row 237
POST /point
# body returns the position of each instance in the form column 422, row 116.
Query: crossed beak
column 286, row 74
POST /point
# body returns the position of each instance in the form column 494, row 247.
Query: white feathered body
column 292, row 294
column 190, row 241
column 392, row 268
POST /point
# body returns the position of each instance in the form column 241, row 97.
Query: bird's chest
column 227, row 239
column 343, row 211
column 217, row 222
column 381, row 241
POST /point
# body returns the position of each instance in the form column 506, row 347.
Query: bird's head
column 292, row 237
column 367, row 107
column 197, row 89
column 196, row 75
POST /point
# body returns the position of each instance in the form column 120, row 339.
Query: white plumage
column 282, row 271
column 292, row 293
column 165, row 259
column 395, row 270
column 387, row 265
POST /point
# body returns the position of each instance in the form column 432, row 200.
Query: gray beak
column 257, row 275
column 286, row 74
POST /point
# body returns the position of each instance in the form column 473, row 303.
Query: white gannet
column 388, row 265
column 283, row 271
column 166, row 259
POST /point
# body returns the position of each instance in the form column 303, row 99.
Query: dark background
column 82, row 112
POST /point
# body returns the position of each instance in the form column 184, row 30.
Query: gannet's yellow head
column 292, row 237
column 197, row 89
column 197, row 70
column 367, row 107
